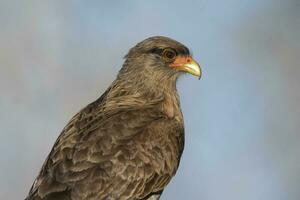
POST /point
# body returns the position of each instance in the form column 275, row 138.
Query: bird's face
column 164, row 55
column 177, row 59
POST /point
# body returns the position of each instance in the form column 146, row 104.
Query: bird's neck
column 141, row 93
column 145, row 86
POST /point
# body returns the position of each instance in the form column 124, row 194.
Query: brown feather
column 125, row 145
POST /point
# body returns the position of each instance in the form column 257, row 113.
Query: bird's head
column 163, row 57
column 154, row 65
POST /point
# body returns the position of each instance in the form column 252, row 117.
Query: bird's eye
column 169, row 54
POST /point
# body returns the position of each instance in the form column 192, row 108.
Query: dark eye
column 169, row 54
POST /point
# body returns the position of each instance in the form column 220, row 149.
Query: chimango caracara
column 128, row 143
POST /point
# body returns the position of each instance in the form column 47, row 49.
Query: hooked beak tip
column 193, row 68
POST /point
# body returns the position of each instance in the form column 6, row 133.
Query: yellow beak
column 187, row 64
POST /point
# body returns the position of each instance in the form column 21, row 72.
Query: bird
column 127, row 144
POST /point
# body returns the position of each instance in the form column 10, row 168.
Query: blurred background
column 242, row 119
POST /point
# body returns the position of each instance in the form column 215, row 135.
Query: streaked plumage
column 128, row 143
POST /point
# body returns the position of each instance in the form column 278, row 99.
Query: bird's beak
column 187, row 64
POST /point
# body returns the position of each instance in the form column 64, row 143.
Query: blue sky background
column 242, row 119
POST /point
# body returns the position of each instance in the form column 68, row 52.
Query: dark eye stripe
column 182, row 51
column 157, row 51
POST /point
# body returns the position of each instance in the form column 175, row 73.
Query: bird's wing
column 110, row 149
column 153, row 197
